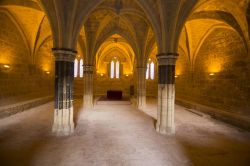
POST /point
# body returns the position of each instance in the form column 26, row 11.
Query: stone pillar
column 141, row 87
column 166, row 93
column 88, row 86
column 64, row 76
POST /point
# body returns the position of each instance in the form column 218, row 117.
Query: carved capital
column 167, row 58
column 88, row 69
column 63, row 54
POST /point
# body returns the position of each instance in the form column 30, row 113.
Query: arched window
column 147, row 71
column 152, row 70
column 75, row 68
column 117, row 69
column 112, row 69
column 81, row 68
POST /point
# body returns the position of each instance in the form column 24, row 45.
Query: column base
column 88, row 107
column 63, row 122
column 141, row 102
column 88, row 102
column 165, row 130
column 62, row 130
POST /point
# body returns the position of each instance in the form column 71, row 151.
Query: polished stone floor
column 120, row 135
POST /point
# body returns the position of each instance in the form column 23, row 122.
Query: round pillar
column 88, row 86
column 64, row 77
column 166, row 93
column 141, row 87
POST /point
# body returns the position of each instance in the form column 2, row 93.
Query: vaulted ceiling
column 139, row 22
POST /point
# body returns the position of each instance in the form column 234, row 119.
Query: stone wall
column 78, row 88
column 152, row 87
column 103, row 84
column 219, row 75
column 26, row 77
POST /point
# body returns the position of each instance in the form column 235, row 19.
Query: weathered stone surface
column 222, row 53
column 120, row 135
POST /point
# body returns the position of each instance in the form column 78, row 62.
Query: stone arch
column 145, row 7
column 19, row 28
column 119, row 32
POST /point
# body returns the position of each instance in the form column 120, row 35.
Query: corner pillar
column 64, row 76
column 141, row 87
column 88, row 86
column 166, row 93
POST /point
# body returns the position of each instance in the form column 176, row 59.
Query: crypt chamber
column 124, row 82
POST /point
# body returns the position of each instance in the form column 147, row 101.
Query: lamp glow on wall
column 6, row 66
column 214, row 66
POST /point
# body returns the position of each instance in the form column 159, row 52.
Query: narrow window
column 112, row 67
column 147, row 71
column 152, row 70
column 117, row 72
column 81, row 68
column 75, row 68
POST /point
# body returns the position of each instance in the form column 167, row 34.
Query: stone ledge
column 240, row 121
column 12, row 109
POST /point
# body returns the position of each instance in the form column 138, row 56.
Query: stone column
column 64, row 77
column 141, row 87
column 88, row 86
column 166, row 93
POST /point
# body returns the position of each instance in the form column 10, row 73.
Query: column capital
column 88, row 69
column 64, row 54
column 167, row 58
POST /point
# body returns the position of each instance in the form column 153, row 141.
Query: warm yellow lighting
column 149, row 59
column 176, row 76
column 211, row 74
column 47, row 72
column 101, row 74
column 6, row 66
column 126, row 75
column 215, row 65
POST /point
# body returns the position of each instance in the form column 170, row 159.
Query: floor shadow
column 78, row 108
column 21, row 140
column 215, row 149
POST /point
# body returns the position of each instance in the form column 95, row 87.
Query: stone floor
column 120, row 136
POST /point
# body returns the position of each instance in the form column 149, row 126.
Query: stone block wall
column 219, row 75
column 152, row 87
column 78, row 88
column 103, row 84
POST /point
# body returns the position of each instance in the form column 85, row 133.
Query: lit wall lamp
column 101, row 74
column 176, row 76
column 211, row 74
column 6, row 66
column 47, row 72
column 126, row 75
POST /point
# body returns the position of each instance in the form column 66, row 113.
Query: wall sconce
column 176, row 76
column 126, row 75
column 211, row 74
column 101, row 74
column 47, row 72
column 6, row 66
